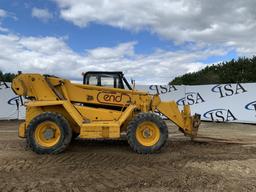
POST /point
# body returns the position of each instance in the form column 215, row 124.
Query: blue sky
column 149, row 41
column 79, row 39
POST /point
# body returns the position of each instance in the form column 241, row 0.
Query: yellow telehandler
column 104, row 106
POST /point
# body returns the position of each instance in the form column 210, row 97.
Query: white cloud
column 53, row 56
column 3, row 29
column 2, row 13
column 5, row 14
column 42, row 14
column 125, row 49
column 209, row 22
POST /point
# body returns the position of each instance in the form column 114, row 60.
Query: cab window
column 104, row 80
column 92, row 80
column 107, row 81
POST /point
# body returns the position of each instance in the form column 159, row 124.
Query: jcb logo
column 220, row 115
column 113, row 97
column 3, row 85
column 191, row 98
column 228, row 89
column 162, row 89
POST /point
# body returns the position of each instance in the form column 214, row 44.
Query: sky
column 150, row 41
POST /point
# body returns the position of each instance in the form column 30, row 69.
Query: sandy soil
column 222, row 158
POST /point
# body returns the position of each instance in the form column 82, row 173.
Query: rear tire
column 48, row 133
column 75, row 135
column 147, row 133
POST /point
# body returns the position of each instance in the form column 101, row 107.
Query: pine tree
column 6, row 77
column 241, row 70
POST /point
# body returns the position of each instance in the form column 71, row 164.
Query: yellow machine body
column 94, row 111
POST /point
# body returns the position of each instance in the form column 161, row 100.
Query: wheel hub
column 49, row 133
column 147, row 133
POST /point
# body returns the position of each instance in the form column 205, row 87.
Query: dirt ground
column 222, row 158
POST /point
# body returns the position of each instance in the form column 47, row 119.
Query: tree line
column 6, row 77
column 241, row 70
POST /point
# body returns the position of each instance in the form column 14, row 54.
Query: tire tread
column 133, row 124
column 60, row 121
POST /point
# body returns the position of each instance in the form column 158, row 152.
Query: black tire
column 65, row 133
column 131, row 133
column 74, row 135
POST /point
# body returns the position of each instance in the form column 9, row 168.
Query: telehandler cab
column 101, row 108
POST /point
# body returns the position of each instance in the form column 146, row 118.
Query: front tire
column 48, row 133
column 147, row 133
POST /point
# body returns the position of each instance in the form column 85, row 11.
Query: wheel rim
column 147, row 133
column 47, row 134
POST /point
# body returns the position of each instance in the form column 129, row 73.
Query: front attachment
column 196, row 121
column 191, row 123
column 188, row 124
